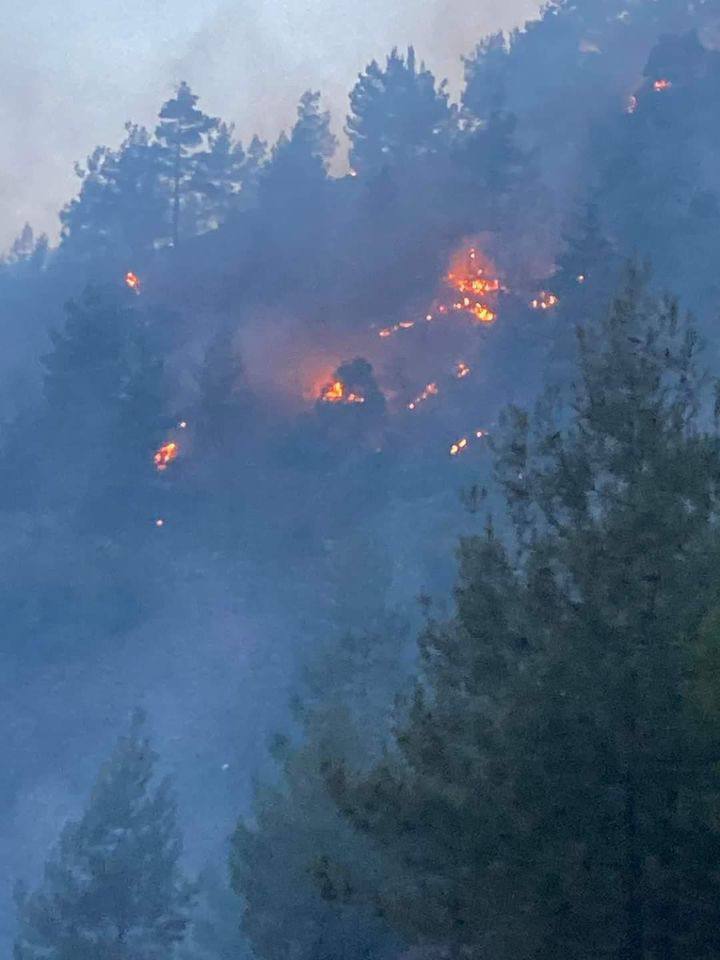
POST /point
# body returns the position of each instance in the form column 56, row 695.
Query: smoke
column 73, row 75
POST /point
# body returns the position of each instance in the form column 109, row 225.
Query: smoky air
column 359, row 493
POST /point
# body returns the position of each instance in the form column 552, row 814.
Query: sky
column 74, row 72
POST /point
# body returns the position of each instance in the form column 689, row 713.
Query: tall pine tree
column 182, row 135
column 113, row 887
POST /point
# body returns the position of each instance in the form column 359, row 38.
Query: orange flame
column 660, row 86
column 133, row 281
column 431, row 390
column 469, row 278
column 461, row 445
column 336, row 392
column 165, row 455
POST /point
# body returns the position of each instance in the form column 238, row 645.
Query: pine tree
column 120, row 210
column 398, row 115
column 224, row 398
column 182, row 137
column 555, row 789
column 220, row 174
column 103, row 412
column 299, row 162
column 295, row 905
column 112, row 887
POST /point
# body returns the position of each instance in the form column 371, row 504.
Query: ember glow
column 462, row 445
column 469, row 276
column 431, row 390
column 544, row 301
column 660, row 86
column 132, row 281
column 474, row 279
column 462, row 370
column 336, row 392
column 165, row 455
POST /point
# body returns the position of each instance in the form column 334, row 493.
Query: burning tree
column 353, row 385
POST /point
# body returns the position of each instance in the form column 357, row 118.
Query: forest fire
column 545, row 301
column 165, row 455
column 336, row 392
column 431, row 390
column 132, row 281
column 468, row 278
column 660, row 86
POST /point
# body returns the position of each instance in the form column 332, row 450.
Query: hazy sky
column 74, row 71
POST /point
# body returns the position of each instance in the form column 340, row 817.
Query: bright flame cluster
column 165, row 455
column 660, row 86
column 472, row 281
column 336, row 392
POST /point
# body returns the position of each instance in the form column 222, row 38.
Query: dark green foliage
column 112, row 887
column 554, row 788
column 182, row 135
column 305, row 877
column 120, row 211
column 299, row 162
column 398, row 116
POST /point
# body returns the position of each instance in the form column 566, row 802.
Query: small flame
column 544, row 301
column 660, row 86
column 159, row 522
column 183, row 425
column 581, row 278
column 462, row 370
column 132, row 281
column 165, row 455
column 461, row 445
column 336, row 392
column 431, row 390
column 631, row 105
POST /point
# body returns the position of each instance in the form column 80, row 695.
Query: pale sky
column 73, row 71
